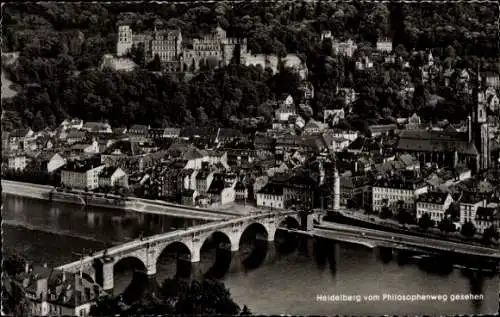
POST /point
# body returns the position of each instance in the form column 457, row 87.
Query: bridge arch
column 287, row 242
column 254, row 242
column 177, row 252
column 249, row 229
column 215, row 249
column 135, row 260
column 178, row 247
column 289, row 221
column 220, row 236
column 88, row 276
column 126, row 269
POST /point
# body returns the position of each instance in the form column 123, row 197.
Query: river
column 53, row 233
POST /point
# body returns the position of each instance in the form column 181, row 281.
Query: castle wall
column 168, row 46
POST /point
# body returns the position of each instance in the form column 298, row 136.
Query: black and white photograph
column 239, row 158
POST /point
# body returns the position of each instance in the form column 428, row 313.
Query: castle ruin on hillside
column 215, row 47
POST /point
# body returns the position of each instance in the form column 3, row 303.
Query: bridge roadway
column 371, row 237
column 172, row 236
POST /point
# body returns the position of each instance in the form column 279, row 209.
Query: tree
column 468, row 229
column 14, row 302
column 450, row 52
column 245, row 311
column 306, row 111
column 385, row 212
column 201, row 116
column 138, row 54
column 404, row 216
column 155, row 64
column 425, row 222
column 39, row 122
column 351, row 204
column 490, row 233
column 446, row 225
column 63, row 62
column 342, row 125
column 453, row 212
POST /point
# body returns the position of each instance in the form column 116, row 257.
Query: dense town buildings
column 369, row 131
column 449, row 147
column 55, row 293
column 273, row 167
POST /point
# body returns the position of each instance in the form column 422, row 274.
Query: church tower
column 332, row 178
column 480, row 126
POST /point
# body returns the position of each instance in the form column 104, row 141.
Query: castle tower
column 221, row 33
column 480, row 126
column 125, row 42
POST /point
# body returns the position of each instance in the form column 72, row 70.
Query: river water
column 293, row 283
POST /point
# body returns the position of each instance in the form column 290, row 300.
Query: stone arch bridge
column 100, row 265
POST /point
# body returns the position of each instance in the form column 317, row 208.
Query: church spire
column 481, row 130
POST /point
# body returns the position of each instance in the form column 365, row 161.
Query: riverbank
column 49, row 193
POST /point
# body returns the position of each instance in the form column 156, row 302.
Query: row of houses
column 91, row 174
column 384, row 47
column 195, row 170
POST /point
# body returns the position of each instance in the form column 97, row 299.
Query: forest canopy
column 62, row 44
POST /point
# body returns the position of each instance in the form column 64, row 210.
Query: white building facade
column 82, row 178
column 391, row 194
column 433, row 204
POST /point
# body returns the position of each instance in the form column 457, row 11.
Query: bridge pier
column 196, row 254
column 236, row 264
column 151, row 282
column 107, row 277
column 270, row 235
column 334, row 256
column 196, row 271
column 270, row 253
